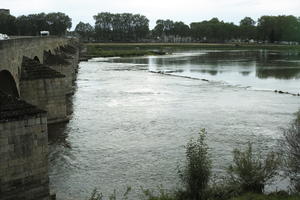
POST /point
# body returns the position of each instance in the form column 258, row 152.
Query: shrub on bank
column 253, row 196
column 292, row 152
column 250, row 172
column 197, row 171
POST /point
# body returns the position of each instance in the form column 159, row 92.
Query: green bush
column 250, row 172
column 252, row 196
column 292, row 152
column 223, row 190
column 96, row 195
column 99, row 196
column 163, row 195
column 197, row 171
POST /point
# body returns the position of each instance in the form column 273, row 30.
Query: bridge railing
column 26, row 40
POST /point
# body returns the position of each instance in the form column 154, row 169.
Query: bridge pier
column 45, row 88
column 71, row 53
column 61, row 65
column 23, row 151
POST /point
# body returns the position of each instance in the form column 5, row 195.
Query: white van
column 44, row 33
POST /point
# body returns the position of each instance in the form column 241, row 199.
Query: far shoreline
column 92, row 50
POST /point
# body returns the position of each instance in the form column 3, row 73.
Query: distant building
column 5, row 11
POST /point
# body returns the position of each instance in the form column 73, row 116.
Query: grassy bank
column 251, row 196
column 144, row 49
column 96, row 50
column 93, row 47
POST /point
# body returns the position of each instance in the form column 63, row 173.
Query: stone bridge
column 13, row 51
column 37, row 75
column 38, row 70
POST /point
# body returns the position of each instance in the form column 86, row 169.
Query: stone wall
column 47, row 94
column 67, row 70
column 45, row 88
column 23, row 158
column 65, row 62
column 23, row 151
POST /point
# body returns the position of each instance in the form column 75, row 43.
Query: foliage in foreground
column 251, row 172
column 99, row 196
column 197, row 171
column 253, row 196
column 292, row 152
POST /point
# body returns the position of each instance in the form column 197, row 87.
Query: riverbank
column 175, row 46
column 96, row 50
column 144, row 49
column 166, row 196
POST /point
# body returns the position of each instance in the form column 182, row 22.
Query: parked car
column 3, row 36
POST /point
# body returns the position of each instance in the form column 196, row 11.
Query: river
column 130, row 125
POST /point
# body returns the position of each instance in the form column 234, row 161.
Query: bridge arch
column 8, row 84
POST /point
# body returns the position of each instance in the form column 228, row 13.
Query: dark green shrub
column 163, row 195
column 291, row 146
column 197, row 171
column 223, row 190
column 99, row 196
column 96, row 195
column 251, row 172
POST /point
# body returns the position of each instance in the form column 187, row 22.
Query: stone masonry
column 23, row 126
column 23, row 151
column 58, row 63
column 45, row 88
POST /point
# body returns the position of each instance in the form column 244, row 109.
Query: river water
column 130, row 125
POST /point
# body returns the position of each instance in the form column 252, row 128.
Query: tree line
column 31, row 25
column 127, row 27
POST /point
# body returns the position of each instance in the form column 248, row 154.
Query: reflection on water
column 129, row 126
column 267, row 70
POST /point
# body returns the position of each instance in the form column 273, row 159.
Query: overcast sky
column 178, row 10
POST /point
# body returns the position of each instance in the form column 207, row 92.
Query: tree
column 58, row 23
column 7, row 24
column 170, row 28
column 85, row 30
column 247, row 21
column 121, row 27
column 213, row 30
column 181, row 29
column 31, row 25
column 24, row 27
column 247, row 29
column 279, row 28
column 289, row 27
